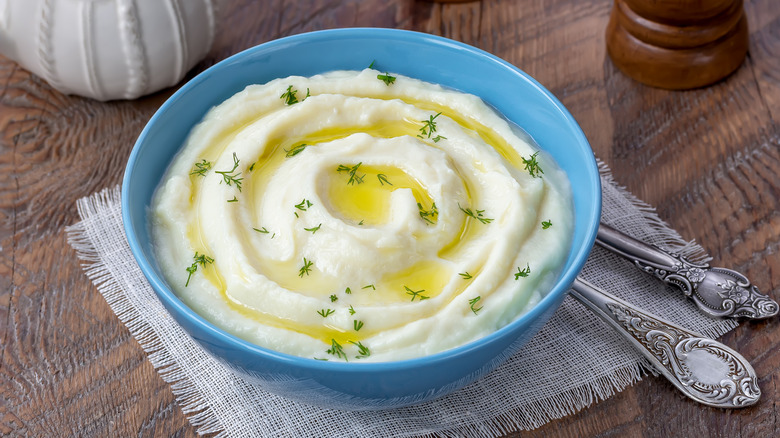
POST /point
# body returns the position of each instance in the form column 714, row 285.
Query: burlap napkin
column 574, row 361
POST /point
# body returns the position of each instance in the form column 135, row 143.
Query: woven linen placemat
column 573, row 362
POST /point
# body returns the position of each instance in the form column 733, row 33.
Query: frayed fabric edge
column 186, row 393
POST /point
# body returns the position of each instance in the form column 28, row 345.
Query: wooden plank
column 709, row 159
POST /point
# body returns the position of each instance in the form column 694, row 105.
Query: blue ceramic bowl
column 364, row 385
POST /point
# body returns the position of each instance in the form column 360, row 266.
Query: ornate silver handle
column 717, row 291
column 702, row 368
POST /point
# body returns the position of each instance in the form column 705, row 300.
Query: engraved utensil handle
column 718, row 292
column 703, row 369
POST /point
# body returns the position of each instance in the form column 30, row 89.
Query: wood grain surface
column 708, row 159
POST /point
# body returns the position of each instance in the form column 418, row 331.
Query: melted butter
column 428, row 276
column 218, row 146
column 472, row 127
column 323, row 332
column 287, row 274
column 212, row 274
column 364, row 204
column 368, row 202
column 381, row 129
column 209, row 271
column 470, row 231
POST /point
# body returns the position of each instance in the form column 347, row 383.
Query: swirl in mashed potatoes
column 346, row 217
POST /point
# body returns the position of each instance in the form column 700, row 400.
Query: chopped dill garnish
column 289, row 96
column 532, row 166
column 351, row 310
column 231, row 176
column 353, row 177
column 522, row 272
column 200, row 259
column 428, row 215
column 362, row 350
column 295, row 150
column 202, row 168
column 546, row 224
column 476, row 215
column 336, row 349
column 416, row 293
column 233, row 200
column 306, row 268
column 357, row 325
column 333, row 298
column 473, row 302
column 383, row 179
column 369, row 286
column 386, row 78
column 325, row 312
column 465, row 275
column 261, row 230
column 313, row 229
column 303, row 205
column 429, row 127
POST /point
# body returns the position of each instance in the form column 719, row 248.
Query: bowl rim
column 172, row 302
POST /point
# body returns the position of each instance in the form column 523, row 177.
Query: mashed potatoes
column 360, row 216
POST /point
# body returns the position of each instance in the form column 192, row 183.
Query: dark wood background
column 708, row 159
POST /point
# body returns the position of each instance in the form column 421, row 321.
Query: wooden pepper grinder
column 677, row 44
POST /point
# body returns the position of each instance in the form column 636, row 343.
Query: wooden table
column 708, row 159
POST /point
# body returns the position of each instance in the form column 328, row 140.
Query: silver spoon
column 703, row 369
column 716, row 291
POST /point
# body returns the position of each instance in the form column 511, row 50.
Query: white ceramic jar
column 107, row 49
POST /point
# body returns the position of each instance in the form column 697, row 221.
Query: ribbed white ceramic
column 107, row 49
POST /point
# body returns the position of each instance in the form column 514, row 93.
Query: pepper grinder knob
column 677, row 44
